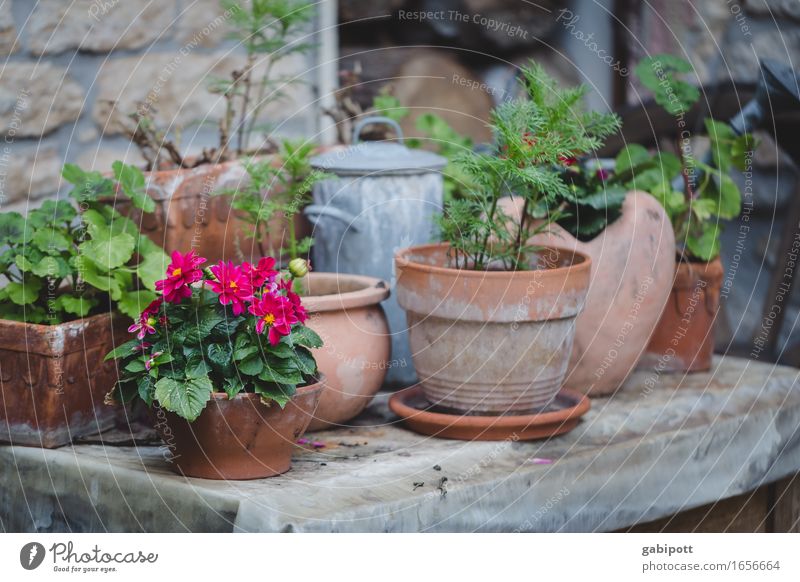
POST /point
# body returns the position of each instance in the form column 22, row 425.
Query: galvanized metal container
column 384, row 197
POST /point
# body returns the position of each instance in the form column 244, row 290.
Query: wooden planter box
column 53, row 379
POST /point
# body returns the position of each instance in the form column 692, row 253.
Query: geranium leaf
column 79, row 306
column 24, row 293
column 133, row 303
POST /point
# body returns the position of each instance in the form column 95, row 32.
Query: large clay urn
column 633, row 266
column 190, row 214
column 491, row 342
column 345, row 310
column 684, row 338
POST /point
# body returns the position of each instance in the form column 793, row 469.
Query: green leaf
column 662, row 74
column 243, row 352
column 89, row 186
column 108, row 253
column 95, row 223
column 604, row 199
column 23, row 263
column 132, row 181
column 53, row 267
column 703, row 208
column 271, row 374
column 124, row 391
column 707, row 246
column 132, row 303
column 24, row 293
column 281, row 350
column 305, row 361
column 91, row 275
column 232, row 387
column 631, row 156
column 123, row 350
column 13, row 229
column 79, row 306
column 220, row 354
column 719, row 130
column 200, row 330
column 152, row 267
column 252, row 365
column 186, row 399
column 730, row 199
column 279, row 393
column 146, row 389
column 305, row 336
column 51, row 240
column 135, row 366
column 197, row 367
column 58, row 211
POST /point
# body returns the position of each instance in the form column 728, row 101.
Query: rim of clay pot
column 301, row 391
column 485, row 427
column 43, row 326
column 403, row 261
column 362, row 291
column 582, row 405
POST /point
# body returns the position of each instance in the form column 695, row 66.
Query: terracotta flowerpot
column 633, row 264
column 53, row 380
column 237, row 439
column 684, row 338
column 345, row 311
column 187, row 216
column 491, row 342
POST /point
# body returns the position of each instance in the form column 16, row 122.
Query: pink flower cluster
column 258, row 289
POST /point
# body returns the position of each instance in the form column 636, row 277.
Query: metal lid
column 371, row 157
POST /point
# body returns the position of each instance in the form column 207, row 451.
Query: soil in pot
column 345, row 311
column 53, row 379
column 684, row 337
column 491, row 342
column 236, row 439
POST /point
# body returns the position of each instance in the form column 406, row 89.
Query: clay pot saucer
column 421, row 416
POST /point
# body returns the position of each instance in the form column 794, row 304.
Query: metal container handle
column 315, row 211
column 377, row 120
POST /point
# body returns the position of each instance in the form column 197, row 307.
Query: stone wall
column 723, row 38
column 73, row 70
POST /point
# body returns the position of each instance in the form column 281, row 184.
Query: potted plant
column 343, row 309
column 222, row 358
column 187, row 216
column 69, row 266
column 491, row 316
column 697, row 194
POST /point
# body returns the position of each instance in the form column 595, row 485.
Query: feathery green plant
column 536, row 136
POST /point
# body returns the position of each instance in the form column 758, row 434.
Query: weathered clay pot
column 187, row 216
column 633, row 263
column 53, row 380
column 240, row 438
column 345, row 311
column 684, row 338
column 491, row 342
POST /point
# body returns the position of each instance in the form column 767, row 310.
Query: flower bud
column 298, row 268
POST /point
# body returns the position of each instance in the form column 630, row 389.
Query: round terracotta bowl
column 240, row 438
column 345, row 311
column 491, row 342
